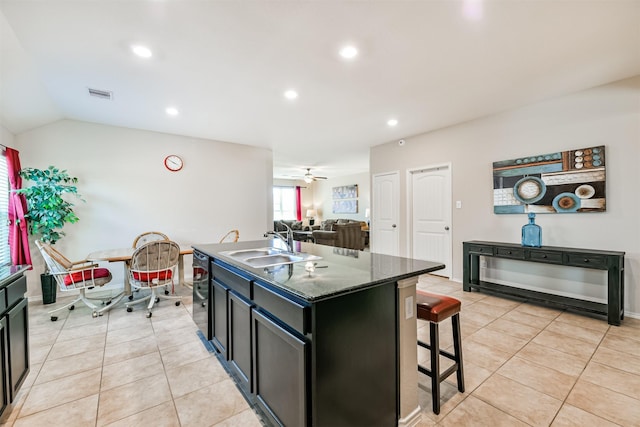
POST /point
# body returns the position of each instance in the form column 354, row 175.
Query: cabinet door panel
column 280, row 371
column 18, row 339
column 240, row 339
column 219, row 336
column 4, row 389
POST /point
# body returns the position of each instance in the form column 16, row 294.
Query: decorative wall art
column 346, row 192
column 345, row 206
column 562, row 182
column 345, row 199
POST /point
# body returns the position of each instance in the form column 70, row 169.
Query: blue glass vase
column 532, row 233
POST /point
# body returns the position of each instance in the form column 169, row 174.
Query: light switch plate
column 458, row 204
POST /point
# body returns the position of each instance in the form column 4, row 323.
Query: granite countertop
column 339, row 271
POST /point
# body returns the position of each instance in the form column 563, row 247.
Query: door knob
column 446, row 227
column 393, row 226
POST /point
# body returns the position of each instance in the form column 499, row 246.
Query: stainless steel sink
column 268, row 257
column 251, row 253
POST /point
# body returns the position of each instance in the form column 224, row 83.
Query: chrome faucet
column 288, row 241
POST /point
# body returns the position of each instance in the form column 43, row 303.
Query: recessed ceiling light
column 142, row 51
column 348, row 52
column 291, row 94
column 472, row 9
column 392, row 122
column 172, row 111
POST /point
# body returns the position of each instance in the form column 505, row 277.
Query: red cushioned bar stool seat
column 434, row 309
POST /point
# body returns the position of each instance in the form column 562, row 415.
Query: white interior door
column 385, row 214
column 431, row 216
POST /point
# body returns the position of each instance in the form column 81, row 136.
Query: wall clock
column 173, row 162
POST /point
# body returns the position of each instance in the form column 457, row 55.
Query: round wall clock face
column 173, row 163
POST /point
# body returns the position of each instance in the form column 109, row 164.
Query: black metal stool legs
column 457, row 351
column 435, row 351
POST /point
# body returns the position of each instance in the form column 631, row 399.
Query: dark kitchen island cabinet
column 317, row 348
column 14, row 333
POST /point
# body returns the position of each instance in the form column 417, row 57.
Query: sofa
column 341, row 233
column 295, row 226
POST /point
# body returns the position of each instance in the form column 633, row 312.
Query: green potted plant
column 48, row 211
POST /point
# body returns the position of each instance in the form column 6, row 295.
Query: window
column 284, row 203
column 5, row 252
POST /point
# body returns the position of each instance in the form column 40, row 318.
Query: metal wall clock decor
column 173, row 163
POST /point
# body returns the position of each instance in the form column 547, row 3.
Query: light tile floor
column 525, row 365
column 528, row 365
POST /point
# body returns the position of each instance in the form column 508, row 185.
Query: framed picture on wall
column 345, row 192
column 345, row 206
column 560, row 182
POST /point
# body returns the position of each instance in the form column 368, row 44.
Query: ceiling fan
column 309, row 177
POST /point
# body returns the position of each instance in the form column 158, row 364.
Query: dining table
column 124, row 256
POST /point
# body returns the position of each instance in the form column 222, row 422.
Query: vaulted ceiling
column 225, row 66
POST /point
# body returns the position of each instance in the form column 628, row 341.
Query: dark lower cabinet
column 280, row 363
column 325, row 363
column 18, row 339
column 4, row 367
column 14, row 333
column 240, row 339
column 219, row 318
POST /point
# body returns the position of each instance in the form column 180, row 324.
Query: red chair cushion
column 142, row 276
column 435, row 308
column 84, row 275
column 199, row 273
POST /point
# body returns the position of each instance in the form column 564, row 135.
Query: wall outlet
column 408, row 307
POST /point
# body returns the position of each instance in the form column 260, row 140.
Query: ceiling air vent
column 102, row 94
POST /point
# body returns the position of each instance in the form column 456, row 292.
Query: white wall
column 608, row 115
column 323, row 197
column 6, row 137
column 128, row 190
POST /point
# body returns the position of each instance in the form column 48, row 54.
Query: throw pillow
column 297, row 225
column 327, row 225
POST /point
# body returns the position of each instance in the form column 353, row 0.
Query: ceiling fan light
column 308, row 179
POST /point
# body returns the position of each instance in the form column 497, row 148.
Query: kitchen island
column 313, row 343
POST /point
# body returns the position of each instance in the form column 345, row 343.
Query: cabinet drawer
column 290, row 312
column 515, row 253
column 480, row 249
column 546, row 257
column 15, row 291
column 587, row 260
column 233, row 280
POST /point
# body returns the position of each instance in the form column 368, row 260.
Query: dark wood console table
column 611, row 261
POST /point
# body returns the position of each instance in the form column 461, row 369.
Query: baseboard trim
column 411, row 420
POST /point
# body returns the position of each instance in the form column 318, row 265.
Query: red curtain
column 18, row 233
column 298, row 204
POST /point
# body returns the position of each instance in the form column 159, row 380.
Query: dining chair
column 231, row 236
column 75, row 276
column 148, row 236
column 154, row 265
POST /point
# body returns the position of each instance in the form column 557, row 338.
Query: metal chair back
column 148, row 236
column 154, row 264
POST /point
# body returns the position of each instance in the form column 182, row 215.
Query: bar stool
column 434, row 309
